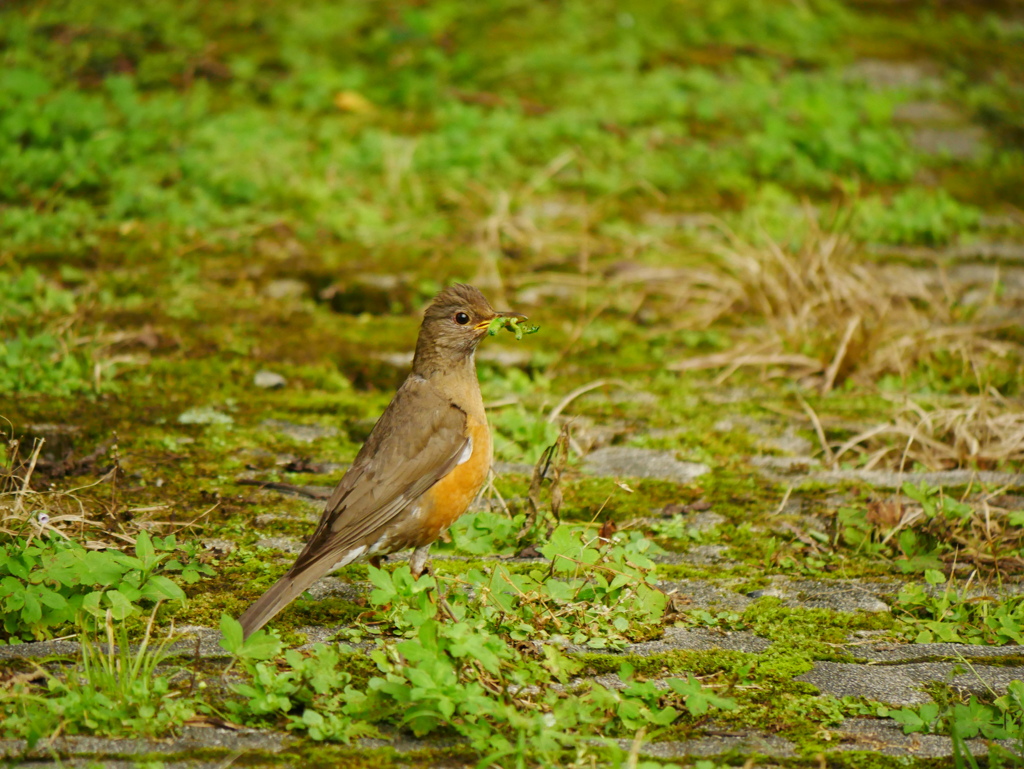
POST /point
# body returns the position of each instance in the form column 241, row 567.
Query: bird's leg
column 418, row 565
column 376, row 561
column 418, row 560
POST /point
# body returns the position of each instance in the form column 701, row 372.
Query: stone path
column 884, row 672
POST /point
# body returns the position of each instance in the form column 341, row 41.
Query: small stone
column 303, row 433
column 884, row 75
column 956, row 143
column 285, row 288
column 925, row 112
column 642, row 463
column 204, row 415
column 268, row 380
column 705, row 521
column 220, row 546
column 767, row 592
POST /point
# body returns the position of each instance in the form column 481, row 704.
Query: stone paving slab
column 742, row 741
column 903, row 684
column 39, row 649
column 889, row 684
column 701, row 639
column 887, row 737
column 191, row 738
column 977, row 679
column 796, row 469
column 885, row 651
column 616, row 461
column 705, row 594
column 839, row 595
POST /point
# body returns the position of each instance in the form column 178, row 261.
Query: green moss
column 863, row 759
column 323, row 612
column 816, row 629
column 601, row 499
column 307, row 753
column 670, row 663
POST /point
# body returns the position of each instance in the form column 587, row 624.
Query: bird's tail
column 284, row 591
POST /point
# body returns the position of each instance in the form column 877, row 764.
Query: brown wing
column 415, row 443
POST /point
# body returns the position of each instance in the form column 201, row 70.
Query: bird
column 422, row 465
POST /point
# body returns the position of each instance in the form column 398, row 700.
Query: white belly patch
column 466, row 452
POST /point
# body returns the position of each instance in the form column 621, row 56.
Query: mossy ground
column 190, row 195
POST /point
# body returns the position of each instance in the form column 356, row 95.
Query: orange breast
column 452, row 495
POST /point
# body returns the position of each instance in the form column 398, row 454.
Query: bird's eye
column 461, row 318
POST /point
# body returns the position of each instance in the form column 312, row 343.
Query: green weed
column 455, row 671
column 116, row 691
column 47, row 582
column 914, row 216
column 1001, row 719
column 35, row 357
column 920, row 534
column 952, row 617
column 309, row 692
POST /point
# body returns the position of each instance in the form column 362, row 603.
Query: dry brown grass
column 98, row 520
column 824, row 315
column 982, row 432
column 28, row 513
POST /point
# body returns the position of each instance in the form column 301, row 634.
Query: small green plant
column 459, row 664
column 594, row 594
column 914, row 216
column 117, row 690
column 522, row 435
column 680, row 530
column 722, row 620
column 951, row 617
column 486, row 533
column 309, row 692
column 914, row 539
column 33, row 357
column 1002, row 719
column 46, row 583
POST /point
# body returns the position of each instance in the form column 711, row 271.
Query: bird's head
column 453, row 326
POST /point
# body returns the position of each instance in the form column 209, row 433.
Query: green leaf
column 261, row 645
column 158, row 587
column 144, row 550
column 231, row 634
column 120, row 606
column 53, row 600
